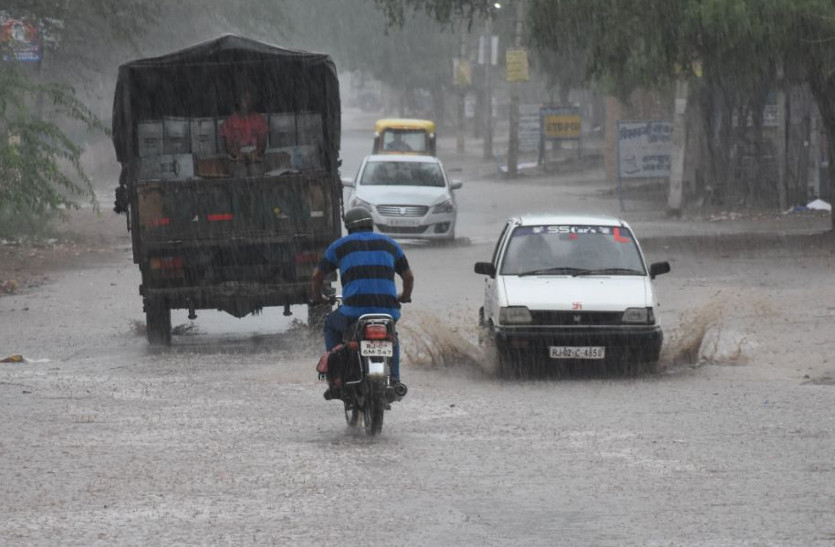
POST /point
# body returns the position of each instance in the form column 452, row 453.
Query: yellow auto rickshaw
column 404, row 136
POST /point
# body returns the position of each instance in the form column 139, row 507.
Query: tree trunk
column 438, row 106
column 759, row 189
column 723, row 149
column 824, row 93
column 738, row 147
column 800, row 140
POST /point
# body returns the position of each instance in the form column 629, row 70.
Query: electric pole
column 460, row 144
column 513, row 140
column 488, row 91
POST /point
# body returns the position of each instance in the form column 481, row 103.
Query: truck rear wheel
column 158, row 322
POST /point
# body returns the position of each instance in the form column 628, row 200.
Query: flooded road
column 225, row 438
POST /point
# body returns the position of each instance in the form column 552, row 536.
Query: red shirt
column 243, row 131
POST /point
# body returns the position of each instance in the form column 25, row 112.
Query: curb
column 743, row 242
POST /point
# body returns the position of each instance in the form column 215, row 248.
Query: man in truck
column 367, row 262
column 244, row 134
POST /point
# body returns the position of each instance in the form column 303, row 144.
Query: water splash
column 709, row 333
column 433, row 342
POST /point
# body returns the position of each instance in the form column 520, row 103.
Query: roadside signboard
column 529, row 128
column 20, row 38
column 560, row 123
column 462, row 75
column 644, row 149
column 517, row 65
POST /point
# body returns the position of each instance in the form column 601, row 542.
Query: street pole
column 488, row 91
column 460, row 143
column 513, row 140
column 674, row 198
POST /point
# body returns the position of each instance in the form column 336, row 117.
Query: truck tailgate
column 237, row 210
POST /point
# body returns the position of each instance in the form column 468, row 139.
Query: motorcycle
column 359, row 371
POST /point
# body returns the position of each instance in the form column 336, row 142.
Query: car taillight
column 376, row 332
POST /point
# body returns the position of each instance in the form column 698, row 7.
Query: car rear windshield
column 572, row 250
column 402, row 173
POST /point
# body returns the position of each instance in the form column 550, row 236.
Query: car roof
column 402, row 157
column 581, row 219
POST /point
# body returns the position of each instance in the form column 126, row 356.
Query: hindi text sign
column 645, row 149
column 517, row 65
column 561, row 123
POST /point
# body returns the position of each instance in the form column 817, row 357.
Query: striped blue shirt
column 367, row 262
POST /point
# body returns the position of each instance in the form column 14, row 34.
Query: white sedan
column 408, row 196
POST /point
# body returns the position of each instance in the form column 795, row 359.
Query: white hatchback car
column 574, row 290
column 408, row 196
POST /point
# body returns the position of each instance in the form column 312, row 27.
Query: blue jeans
column 336, row 325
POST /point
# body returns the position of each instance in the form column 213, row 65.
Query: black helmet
column 358, row 218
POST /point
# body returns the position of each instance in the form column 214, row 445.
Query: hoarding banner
column 462, row 75
column 561, row 123
column 20, row 38
column 644, row 149
column 517, row 65
column 529, row 127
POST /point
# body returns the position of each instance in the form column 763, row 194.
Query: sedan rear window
column 572, row 250
column 402, row 173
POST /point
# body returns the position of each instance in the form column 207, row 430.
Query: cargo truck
column 203, row 238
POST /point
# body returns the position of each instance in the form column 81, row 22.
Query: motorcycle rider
column 367, row 262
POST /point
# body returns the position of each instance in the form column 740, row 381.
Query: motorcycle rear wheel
column 373, row 416
column 352, row 416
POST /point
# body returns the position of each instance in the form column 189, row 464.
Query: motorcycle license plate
column 577, row 352
column 376, row 348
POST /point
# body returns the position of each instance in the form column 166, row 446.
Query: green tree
column 745, row 48
column 416, row 54
column 34, row 151
column 40, row 162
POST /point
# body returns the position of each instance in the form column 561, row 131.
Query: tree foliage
column 443, row 11
column 40, row 162
column 35, row 153
column 741, row 48
column 416, row 54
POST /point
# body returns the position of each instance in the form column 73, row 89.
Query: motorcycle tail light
column 376, row 332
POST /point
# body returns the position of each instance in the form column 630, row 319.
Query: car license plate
column 373, row 348
column 404, row 221
column 577, row 352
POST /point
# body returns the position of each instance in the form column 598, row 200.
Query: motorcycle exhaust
column 396, row 392
column 400, row 389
